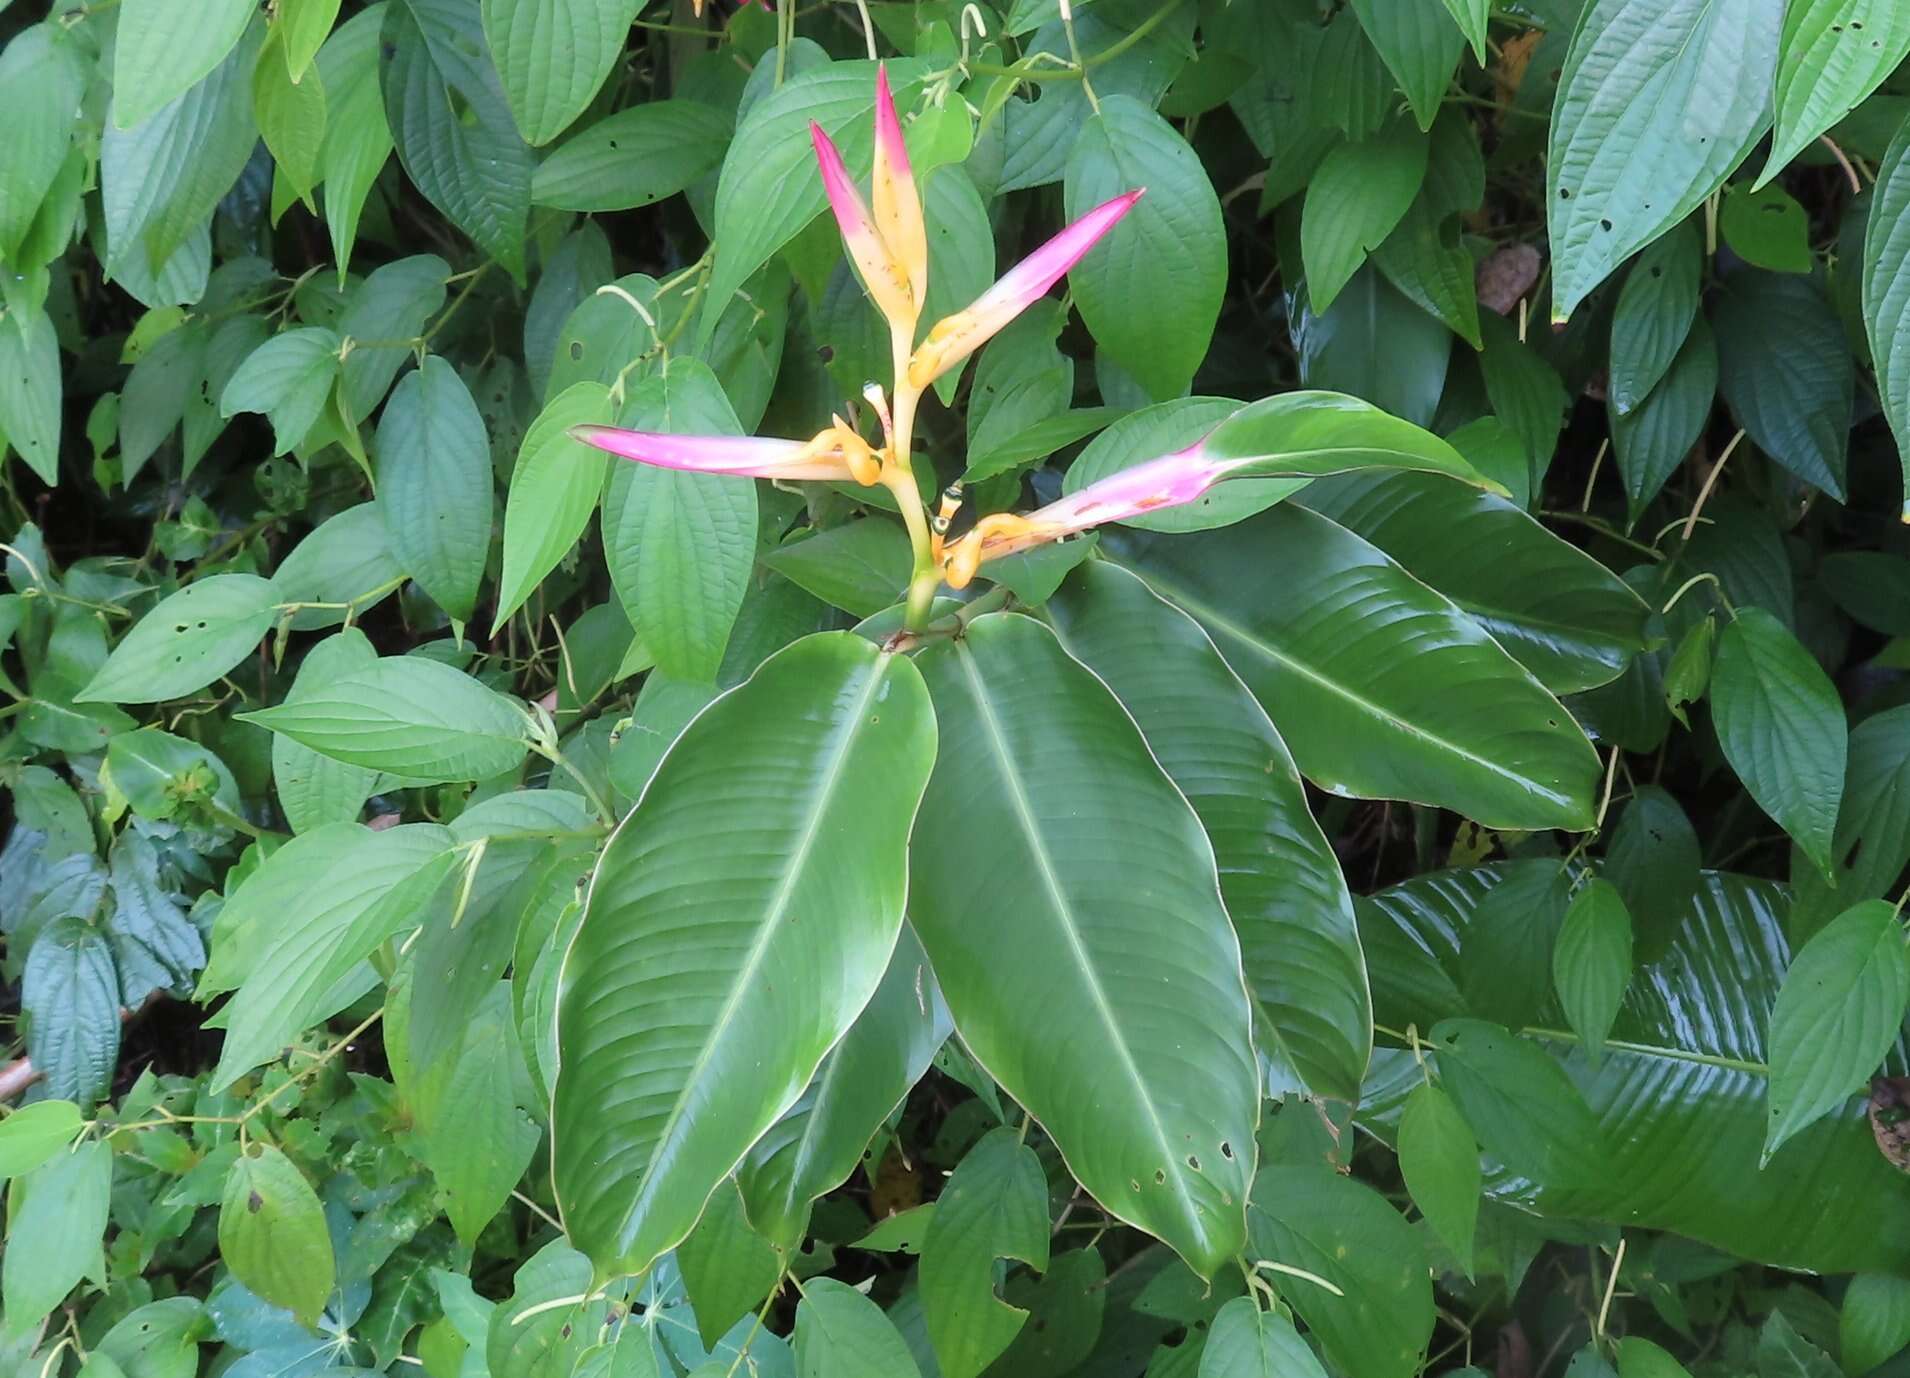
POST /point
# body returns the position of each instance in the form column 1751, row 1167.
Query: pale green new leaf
column 1473, row 16
column 413, row 717
column 44, row 76
column 553, row 55
column 1060, row 842
column 34, row 1133
column 1657, row 104
column 1360, row 192
column 272, row 1233
column 1836, row 1016
column 435, row 486
column 792, row 922
column 189, row 640
column 163, row 48
column 56, row 1215
column 30, row 391
column 305, row 25
column 357, row 134
column 554, row 489
column 291, row 116
column 1832, row 55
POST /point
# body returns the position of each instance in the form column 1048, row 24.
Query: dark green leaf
column 1786, row 372
column 1354, row 200
column 1656, row 307
column 1591, row 962
column 70, row 997
column 1439, row 1159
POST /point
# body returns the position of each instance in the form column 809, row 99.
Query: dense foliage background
column 330, row 659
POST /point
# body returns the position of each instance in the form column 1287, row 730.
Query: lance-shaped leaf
column 1071, row 886
column 739, row 920
column 1278, row 874
column 954, row 338
column 814, row 1148
column 1296, row 435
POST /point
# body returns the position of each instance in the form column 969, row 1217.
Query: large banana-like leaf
column 1072, row 910
column 1278, row 875
column 1680, row 1092
column 814, row 1148
column 1381, row 687
column 739, row 920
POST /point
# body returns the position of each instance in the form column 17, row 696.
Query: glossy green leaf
column 34, row 1133
column 1680, row 1095
column 1791, row 387
column 554, row 489
column 159, row 53
column 637, row 156
column 679, row 544
column 31, row 391
column 1029, row 906
column 1836, row 1016
column 1656, row 306
column 435, row 485
column 299, row 967
column 1652, row 440
column 1591, row 962
column 1781, row 727
column 1153, row 314
column 1318, row 622
column 1360, row 192
column 1420, row 46
column 819, row 1142
column 1376, row 345
column 1247, row 1342
column 639, row 1141
column 553, row 55
column 56, row 1215
column 1832, row 55
column 288, row 378
column 1343, row 1231
column 190, row 639
column 1279, row 878
column 842, row 1334
column 272, row 1233
column 446, row 111
column 70, row 997
column 1565, row 617
column 412, row 717
column 994, row 1206
column 1688, row 83
column 1874, row 1322
column 1439, row 1158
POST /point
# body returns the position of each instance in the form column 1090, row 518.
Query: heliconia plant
column 1064, row 797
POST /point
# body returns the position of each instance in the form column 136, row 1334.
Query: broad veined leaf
column 773, row 943
column 314, row 789
column 1279, row 878
column 1565, row 617
column 1782, row 728
column 680, row 544
column 385, row 318
column 1059, row 842
column 161, row 178
column 1439, row 1158
column 549, row 1320
column 632, row 158
column 1420, row 46
column 1377, row 1320
column 861, row 567
column 446, row 112
column 413, row 717
column 814, row 1147
column 1837, row 1013
column 288, row 378
column 1518, row 1100
column 842, row 1334
column 1247, row 1342
column 1425, row 259
column 553, row 55
column 1767, row 229
column 728, row 1268
column 1651, row 440
column 155, row 946
column 344, row 565
column 1680, row 1095
column 1654, row 861
column 300, row 965
column 45, row 77
column 1591, row 962
column 1786, row 372
column 1656, row 306
column 1318, row 623
column 554, row 489
column 1886, row 291
column 30, row 391
column 1832, row 54
column 1360, row 192
column 161, row 51
column 1656, row 105
column 272, row 1233
column 70, row 997
column 34, row 1133
column 1154, row 314
column 994, row 1206
column 55, row 1217
column 435, row 485
column 190, row 639
column 357, row 135
column 157, row 1340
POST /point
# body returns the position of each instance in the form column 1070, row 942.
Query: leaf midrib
column 1103, row 1008
column 831, row 780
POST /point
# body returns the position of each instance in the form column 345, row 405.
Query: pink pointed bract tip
column 1170, row 481
column 888, row 129
column 740, row 456
column 1031, row 278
